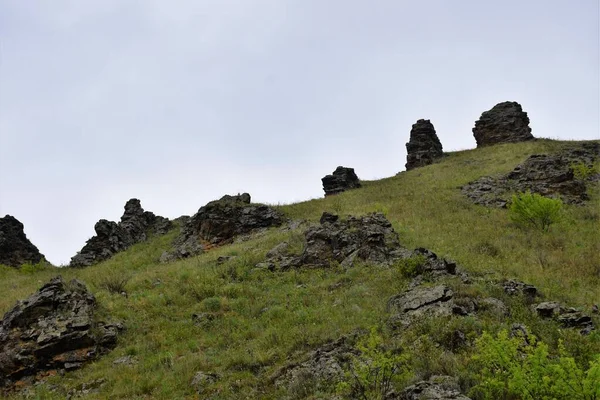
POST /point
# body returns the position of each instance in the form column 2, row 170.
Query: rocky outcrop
column 436, row 388
column 112, row 237
column 369, row 238
column 504, row 123
column 341, row 180
column 548, row 175
column 15, row 248
column 53, row 329
column 568, row 317
column 219, row 222
column 418, row 302
column 424, row 147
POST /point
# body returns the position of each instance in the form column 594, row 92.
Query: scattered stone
column 547, row 175
column 15, row 248
column 504, row 123
column 53, row 329
column 224, row 259
column 328, row 217
column 341, row 180
column 322, row 368
column 219, row 222
column 424, row 146
column 548, row 309
column 112, row 237
column 434, row 265
column 420, row 301
column 494, row 306
column 436, row 388
column 566, row 316
column 126, row 360
column 202, row 380
column 86, row 388
column 513, row 287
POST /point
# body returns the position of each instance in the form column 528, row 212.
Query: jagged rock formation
column 15, row 248
column 219, row 221
column 370, row 238
column 112, row 237
column 341, row 180
column 424, row 147
column 567, row 316
column 53, row 329
column 547, row 175
column 504, row 123
column 436, row 388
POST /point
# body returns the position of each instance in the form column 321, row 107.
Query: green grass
column 261, row 320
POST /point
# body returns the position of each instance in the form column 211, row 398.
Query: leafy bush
column 532, row 209
column 522, row 368
column 411, row 267
column 29, row 268
column 583, row 171
column 373, row 372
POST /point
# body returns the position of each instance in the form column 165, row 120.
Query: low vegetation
column 243, row 323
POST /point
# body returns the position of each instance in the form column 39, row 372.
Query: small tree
column 531, row 209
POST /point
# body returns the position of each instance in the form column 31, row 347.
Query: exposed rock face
column 547, row 175
column 370, row 238
column 341, row 180
column 504, row 123
column 219, row 221
column 53, row 329
column 420, row 301
column 112, row 237
column 436, row 388
column 15, row 248
column 424, row 146
column 567, row 316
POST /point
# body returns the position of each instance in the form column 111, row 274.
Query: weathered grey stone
column 53, row 329
column 436, row 388
column 424, row 147
column 202, row 380
column 340, row 180
column 15, row 248
column 504, row 123
column 419, row 302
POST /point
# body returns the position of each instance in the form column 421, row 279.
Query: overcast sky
column 180, row 102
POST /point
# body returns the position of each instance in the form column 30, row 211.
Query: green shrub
column 373, row 372
column 29, row 268
column 411, row 267
column 583, row 171
column 522, row 368
column 114, row 283
column 534, row 210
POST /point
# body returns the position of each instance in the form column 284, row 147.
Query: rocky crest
column 219, row 221
column 547, row 175
column 112, row 237
column 15, row 248
column 341, row 180
column 504, row 123
column 52, row 330
column 424, row 146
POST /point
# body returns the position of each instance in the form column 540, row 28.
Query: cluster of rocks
column 505, row 123
column 52, row 330
column 15, row 248
column 369, row 238
column 424, row 146
column 218, row 222
column 340, row 180
column 568, row 317
column 112, row 237
column 547, row 174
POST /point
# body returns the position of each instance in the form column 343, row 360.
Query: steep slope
column 243, row 326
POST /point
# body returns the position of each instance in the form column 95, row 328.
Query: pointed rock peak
column 424, row 146
column 15, row 248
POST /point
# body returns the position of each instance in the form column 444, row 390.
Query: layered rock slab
column 15, row 248
column 340, row 180
column 219, row 222
column 53, row 329
column 504, row 123
column 112, row 237
column 424, row 146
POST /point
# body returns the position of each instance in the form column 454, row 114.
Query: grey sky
column 180, row 102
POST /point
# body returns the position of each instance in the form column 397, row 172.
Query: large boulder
column 424, row 147
column 504, row 123
column 15, row 248
column 340, row 180
column 112, row 237
column 370, row 238
column 219, row 222
column 53, row 329
column 550, row 175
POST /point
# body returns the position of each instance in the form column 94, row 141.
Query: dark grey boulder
column 219, row 222
column 340, row 180
column 567, row 316
column 424, row 146
column 111, row 237
column 504, row 123
column 15, row 248
column 436, row 388
column 53, row 329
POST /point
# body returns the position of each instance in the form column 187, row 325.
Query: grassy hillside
column 261, row 320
